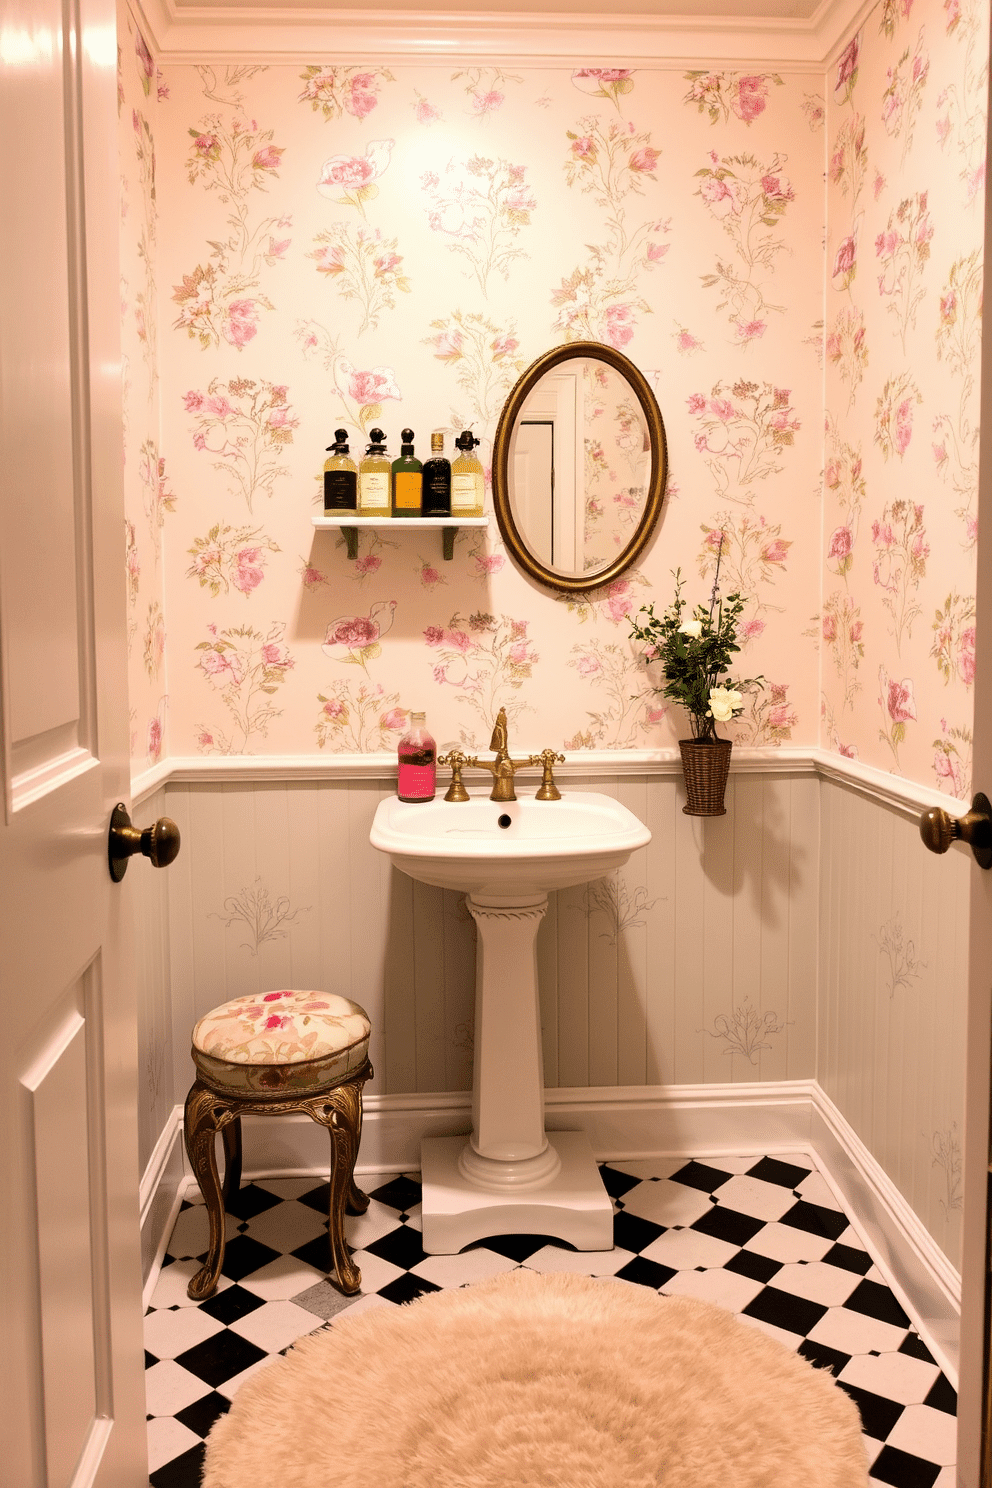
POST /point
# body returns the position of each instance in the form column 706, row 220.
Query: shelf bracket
column 448, row 535
column 351, row 538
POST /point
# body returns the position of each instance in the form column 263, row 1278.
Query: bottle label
column 408, row 488
column 339, row 490
column 416, row 782
column 437, row 493
column 466, row 494
column 374, row 489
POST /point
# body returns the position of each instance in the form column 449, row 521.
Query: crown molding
column 247, row 33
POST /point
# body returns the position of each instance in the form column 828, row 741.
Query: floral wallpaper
column 314, row 245
column 906, row 178
column 149, row 496
column 368, row 246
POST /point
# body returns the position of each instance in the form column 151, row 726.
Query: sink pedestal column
column 507, row 1177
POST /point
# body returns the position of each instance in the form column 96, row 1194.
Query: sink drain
column 504, row 820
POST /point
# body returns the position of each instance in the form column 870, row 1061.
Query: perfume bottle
column 467, row 480
column 408, row 480
column 373, row 478
column 340, row 475
column 417, row 774
column 437, row 481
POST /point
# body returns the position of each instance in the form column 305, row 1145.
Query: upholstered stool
column 268, row 1055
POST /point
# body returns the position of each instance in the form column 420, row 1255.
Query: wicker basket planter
column 705, row 765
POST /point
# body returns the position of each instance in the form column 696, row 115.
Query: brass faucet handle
column 547, row 790
column 456, row 790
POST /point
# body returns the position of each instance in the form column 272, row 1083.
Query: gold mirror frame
column 519, row 393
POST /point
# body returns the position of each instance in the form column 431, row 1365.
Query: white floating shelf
column 350, row 524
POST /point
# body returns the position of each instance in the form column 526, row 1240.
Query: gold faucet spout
column 502, row 768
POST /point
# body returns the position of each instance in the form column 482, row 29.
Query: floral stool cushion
column 281, row 1042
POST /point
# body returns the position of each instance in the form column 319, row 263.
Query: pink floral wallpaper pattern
column 906, row 175
column 319, row 245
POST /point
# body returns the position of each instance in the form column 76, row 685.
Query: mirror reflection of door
column 580, row 466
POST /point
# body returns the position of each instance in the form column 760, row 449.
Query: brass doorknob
column 939, row 829
column 159, row 842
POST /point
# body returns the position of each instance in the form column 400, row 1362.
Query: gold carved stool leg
column 206, row 1114
column 340, row 1111
column 232, row 1158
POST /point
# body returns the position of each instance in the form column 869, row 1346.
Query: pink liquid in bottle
column 417, row 777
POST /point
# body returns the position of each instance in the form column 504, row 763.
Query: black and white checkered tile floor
column 763, row 1237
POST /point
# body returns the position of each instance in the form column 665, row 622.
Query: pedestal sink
column 508, row 1177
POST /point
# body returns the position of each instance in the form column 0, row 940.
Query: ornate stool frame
column 211, row 1108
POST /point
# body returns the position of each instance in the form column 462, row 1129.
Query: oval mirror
column 580, row 463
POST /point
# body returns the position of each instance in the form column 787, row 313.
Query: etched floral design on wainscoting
column 953, row 646
column 952, row 760
column 350, row 180
column 154, row 644
column 904, row 963
column 843, row 630
column 221, row 302
column 256, row 912
column 364, row 266
column 336, row 91
column 744, row 1030
column 230, row 557
column 945, row 1153
column 484, row 358
column 903, row 251
column 625, row 715
column 962, row 122
column 624, row 908
column 361, row 393
column 156, row 498
column 246, row 667
column 898, row 704
column 903, row 98
column 749, row 197
column 485, row 88
column 730, row 95
column 611, row 83
column 357, row 720
column 751, row 552
column 248, row 423
column 958, row 339
column 901, row 553
column 487, row 659
column 479, row 207
column 743, row 431
column 610, row 162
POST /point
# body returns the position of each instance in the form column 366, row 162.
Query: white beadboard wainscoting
column 791, row 976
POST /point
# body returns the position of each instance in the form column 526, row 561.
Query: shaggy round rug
column 539, row 1381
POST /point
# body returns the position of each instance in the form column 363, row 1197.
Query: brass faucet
column 502, row 768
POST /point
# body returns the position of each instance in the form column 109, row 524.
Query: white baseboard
column 622, row 1122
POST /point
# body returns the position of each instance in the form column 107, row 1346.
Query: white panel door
column 73, row 1393
column 976, row 1323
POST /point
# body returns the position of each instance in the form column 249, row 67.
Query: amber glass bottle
column 408, row 480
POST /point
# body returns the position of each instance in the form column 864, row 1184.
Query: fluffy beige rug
column 539, row 1381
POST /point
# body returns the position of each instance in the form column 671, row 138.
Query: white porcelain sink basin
column 494, row 848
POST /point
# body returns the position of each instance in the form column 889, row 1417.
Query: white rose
column 693, row 628
column 724, row 701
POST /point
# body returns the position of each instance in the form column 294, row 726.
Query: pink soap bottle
column 417, row 779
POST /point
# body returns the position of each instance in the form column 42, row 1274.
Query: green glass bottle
column 408, row 480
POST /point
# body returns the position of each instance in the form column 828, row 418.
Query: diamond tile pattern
column 758, row 1235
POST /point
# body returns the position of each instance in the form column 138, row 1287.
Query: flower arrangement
column 696, row 655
